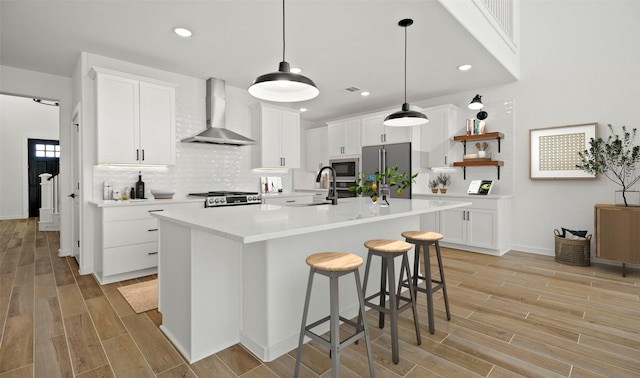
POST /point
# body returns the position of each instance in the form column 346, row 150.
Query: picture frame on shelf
column 553, row 151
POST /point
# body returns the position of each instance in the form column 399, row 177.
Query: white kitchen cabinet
column 469, row 226
column 344, row 137
column 484, row 227
column 127, row 240
column 316, row 148
column 279, row 130
column 374, row 132
column 436, row 136
column 135, row 119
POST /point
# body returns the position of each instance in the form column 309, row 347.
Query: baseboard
column 535, row 250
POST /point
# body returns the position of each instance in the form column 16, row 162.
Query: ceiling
column 338, row 44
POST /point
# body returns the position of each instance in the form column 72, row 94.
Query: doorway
column 43, row 157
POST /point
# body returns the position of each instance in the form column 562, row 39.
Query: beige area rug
column 142, row 296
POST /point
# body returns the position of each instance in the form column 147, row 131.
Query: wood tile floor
column 515, row 315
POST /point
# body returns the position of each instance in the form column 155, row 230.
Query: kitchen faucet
column 333, row 191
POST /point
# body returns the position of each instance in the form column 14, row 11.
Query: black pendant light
column 405, row 117
column 284, row 85
column 476, row 103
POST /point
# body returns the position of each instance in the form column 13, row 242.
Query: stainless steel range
column 228, row 198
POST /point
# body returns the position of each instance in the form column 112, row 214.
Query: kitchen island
column 238, row 273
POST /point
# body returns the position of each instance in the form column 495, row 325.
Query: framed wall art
column 553, row 151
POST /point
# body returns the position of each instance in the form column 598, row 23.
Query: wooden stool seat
column 427, row 236
column 334, row 265
column 334, row 261
column 389, row 246
column 388, row 250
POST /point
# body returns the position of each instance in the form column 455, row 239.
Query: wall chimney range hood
column 216, row 131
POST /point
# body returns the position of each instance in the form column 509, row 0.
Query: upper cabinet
column 435, row 136
column 316, row 148
column 344, row 137
column 135, row 119
column 279, row 135
column 374, row 132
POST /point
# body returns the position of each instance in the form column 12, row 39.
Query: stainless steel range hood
column 216, row 131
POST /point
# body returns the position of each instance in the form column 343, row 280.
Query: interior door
column 43, row 157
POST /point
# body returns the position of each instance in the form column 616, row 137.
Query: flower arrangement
column 392, row 178
column 433, row 184
column 444, row 180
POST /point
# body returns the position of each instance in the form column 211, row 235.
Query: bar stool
column 334, row 265
column 424, row 239
column 388, row 250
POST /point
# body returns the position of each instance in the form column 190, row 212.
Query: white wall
column 21, row 119
column 35, row 84
column 578, row 65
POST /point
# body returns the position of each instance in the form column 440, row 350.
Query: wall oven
column 346, row 169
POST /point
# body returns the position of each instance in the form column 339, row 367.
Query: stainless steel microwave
column 346, row 169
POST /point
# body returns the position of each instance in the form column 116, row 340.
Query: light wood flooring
column 519, row 314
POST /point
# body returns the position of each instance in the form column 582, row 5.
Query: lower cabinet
column 471, row 227
column 127, row 240
column 484, row 227
column 617, row 236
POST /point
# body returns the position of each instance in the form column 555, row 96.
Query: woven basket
column 573, row 252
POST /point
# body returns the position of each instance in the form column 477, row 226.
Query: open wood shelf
column 465, row 138
column 485, row 163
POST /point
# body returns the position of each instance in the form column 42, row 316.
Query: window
column 47, row 150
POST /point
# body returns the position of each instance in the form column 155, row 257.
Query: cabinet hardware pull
column 152, row 229
column 152, row 253
column 155, row 211
column 137, row 154
column 291, row 201
column 143, row 155
column 284, row 161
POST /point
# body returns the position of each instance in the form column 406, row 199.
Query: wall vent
column 352, row 89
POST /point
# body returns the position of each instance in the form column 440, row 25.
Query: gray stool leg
column 427, row 278
column 383, row 289
column 442, row 282
column 412, row 296
column 334, row 326
column 366, row 329
column 393, row 305
column 304, row 323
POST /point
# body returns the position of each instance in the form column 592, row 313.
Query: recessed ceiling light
column 364, row 94
column 296, row 70
column 464, row 67
column 182, row 32
column 303, row 109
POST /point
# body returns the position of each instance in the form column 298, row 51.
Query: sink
column 308, row 204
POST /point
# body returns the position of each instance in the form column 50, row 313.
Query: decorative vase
column 443, row 190
column 632, row 196
column 385, row 193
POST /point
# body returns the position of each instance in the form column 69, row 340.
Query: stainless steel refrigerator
column 377, row 158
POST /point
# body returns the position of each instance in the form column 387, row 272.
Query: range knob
column 216, row 200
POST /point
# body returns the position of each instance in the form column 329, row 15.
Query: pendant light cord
column 284, row 43
column 405, row 64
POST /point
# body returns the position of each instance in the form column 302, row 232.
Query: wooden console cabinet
column 617, row 236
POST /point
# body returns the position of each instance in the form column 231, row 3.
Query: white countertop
column 149, row 201
column 458, row 196
column 254, row 223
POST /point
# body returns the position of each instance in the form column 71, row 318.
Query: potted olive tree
column 616, row 158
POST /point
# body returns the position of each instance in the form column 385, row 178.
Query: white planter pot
column 633, row 198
